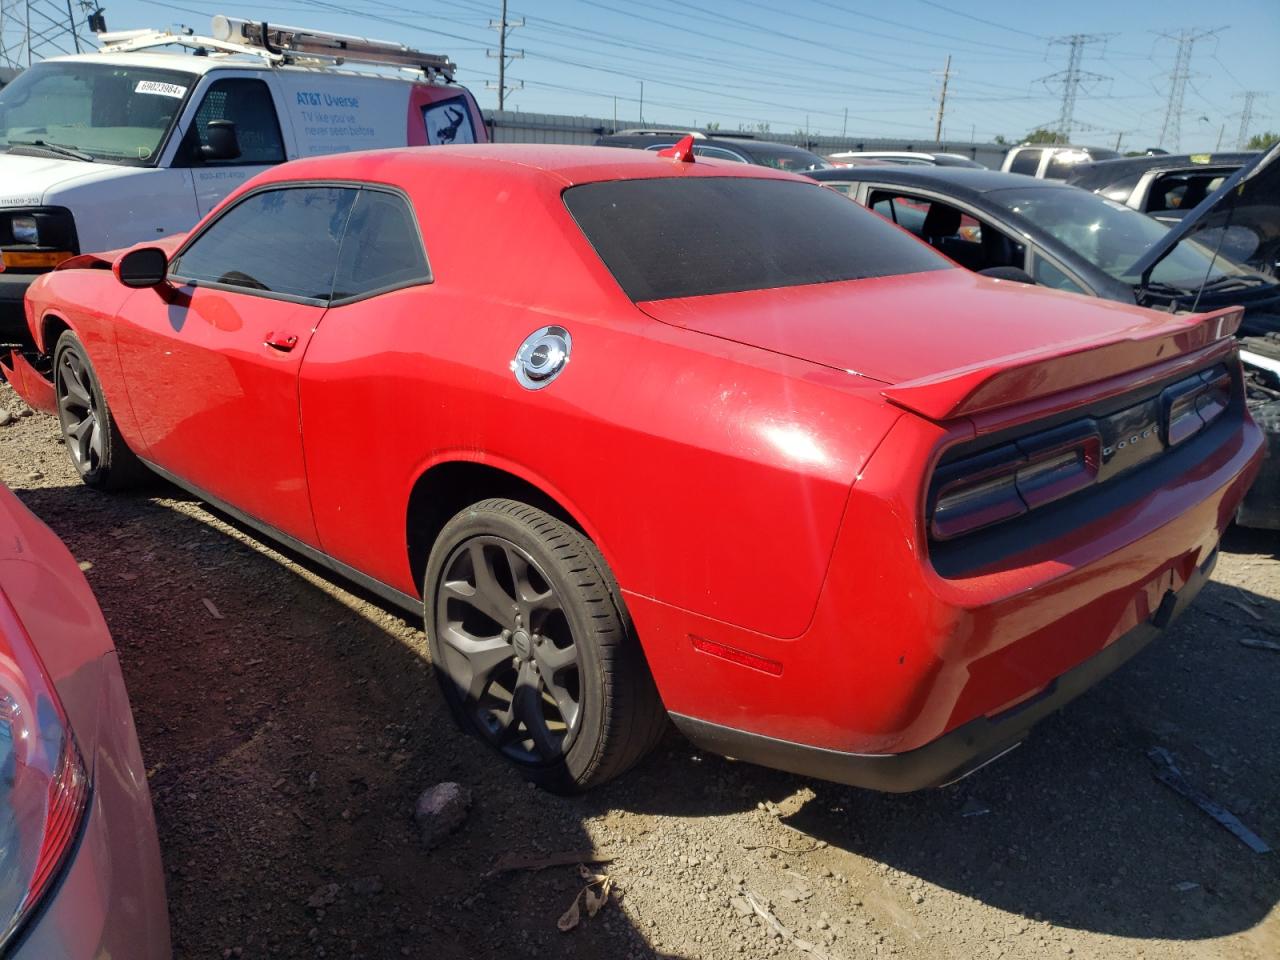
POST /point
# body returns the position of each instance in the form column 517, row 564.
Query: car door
column 360, row 412
column 248, row 102
column 211, row 359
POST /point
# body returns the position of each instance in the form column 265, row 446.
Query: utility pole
column 844, row 129
column 504, row 28
column 641, row 82
column 1246, row 115
column 942, row 101
column 1171, row 132
column 1073, row 77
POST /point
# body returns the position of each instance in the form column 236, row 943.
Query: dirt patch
column 289, row 724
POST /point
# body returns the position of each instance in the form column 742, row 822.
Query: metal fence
column 514, row 126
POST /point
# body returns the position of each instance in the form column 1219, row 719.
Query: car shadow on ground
column 1073, row 827
column 288, row 728
column 289, row 725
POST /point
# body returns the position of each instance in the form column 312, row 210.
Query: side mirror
column 223, row 143
column 143, row 267
column 1015, row 274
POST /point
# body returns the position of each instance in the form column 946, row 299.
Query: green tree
column 1260, row 141
column 713, row 126
column 999, row 138
column 1043, row 135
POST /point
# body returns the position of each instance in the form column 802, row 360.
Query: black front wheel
column 98, row 451
column 533, row 647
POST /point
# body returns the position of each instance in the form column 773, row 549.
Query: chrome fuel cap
column 542, row 357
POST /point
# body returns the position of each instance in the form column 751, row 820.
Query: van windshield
column 91, row 111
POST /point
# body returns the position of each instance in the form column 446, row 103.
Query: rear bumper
column 955, row 754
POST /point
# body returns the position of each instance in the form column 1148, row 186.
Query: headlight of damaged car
column 37, row 238
column 24, row 230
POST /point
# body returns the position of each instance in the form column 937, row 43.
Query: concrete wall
column 512, row 126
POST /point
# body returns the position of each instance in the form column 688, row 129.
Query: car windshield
column 1112, row 236
column 686, row 237
column 92, row 111
column 782, row 157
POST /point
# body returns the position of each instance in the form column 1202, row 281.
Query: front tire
column 98, row 451
column 533, row 647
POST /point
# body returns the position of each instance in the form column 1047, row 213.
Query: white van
column 103, row 150
column 1049, row 162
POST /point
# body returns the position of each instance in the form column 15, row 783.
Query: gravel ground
column 289, row 724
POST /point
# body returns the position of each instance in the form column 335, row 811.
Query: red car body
column 100, row 887
column 755, row 467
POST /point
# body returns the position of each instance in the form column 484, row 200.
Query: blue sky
column 742, row 62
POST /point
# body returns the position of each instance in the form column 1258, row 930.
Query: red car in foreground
column 80, row 873
column 648, row 437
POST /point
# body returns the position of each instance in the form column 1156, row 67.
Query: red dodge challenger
column 648, row 438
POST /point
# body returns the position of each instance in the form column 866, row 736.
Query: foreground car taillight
column 1010, row 480
column 1193, row 404
column 43, row 784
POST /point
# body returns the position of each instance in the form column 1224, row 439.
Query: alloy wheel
column 508, row 649
column 79, row 413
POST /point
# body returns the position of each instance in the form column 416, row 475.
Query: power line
column 1246, row 115
column 1171, row 132
column 1073, row 77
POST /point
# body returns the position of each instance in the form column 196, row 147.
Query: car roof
column 1103, row 172
column 564, row 164
column 959, row 180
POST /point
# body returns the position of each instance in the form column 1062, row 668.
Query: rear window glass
column 668, row 237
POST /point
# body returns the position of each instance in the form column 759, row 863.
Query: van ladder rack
column 278, row 44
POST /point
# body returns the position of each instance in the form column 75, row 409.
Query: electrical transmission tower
column 1073, row 77
column 31, row 30
column 504, row 56
column 1246, row 115
column 1171, row 132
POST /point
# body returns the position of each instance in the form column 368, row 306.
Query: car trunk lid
column 949, row 343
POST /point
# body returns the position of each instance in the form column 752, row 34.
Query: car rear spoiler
column 1022, row 377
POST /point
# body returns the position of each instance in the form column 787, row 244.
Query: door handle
column 280, row 341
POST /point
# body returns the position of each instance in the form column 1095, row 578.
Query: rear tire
column 98, row 451
column 533, row 647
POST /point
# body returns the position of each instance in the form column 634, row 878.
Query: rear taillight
column 1010, row 480
column 1194, row 403
column 43, row 784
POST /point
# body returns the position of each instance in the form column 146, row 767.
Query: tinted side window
column 1026, row 161
column 1047, row 275
column 1060, row 166
column 246, row 103
column 279, row 241
column 381, row 248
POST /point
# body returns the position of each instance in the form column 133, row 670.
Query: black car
column 1041, row 231
column 738, row 148
column 1166, row 187
column 1062, row 237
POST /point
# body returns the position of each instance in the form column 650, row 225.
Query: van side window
column 1026, row 161
column 246, row 103
column 283, row 242
column 381, row 249
column 448, row 121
